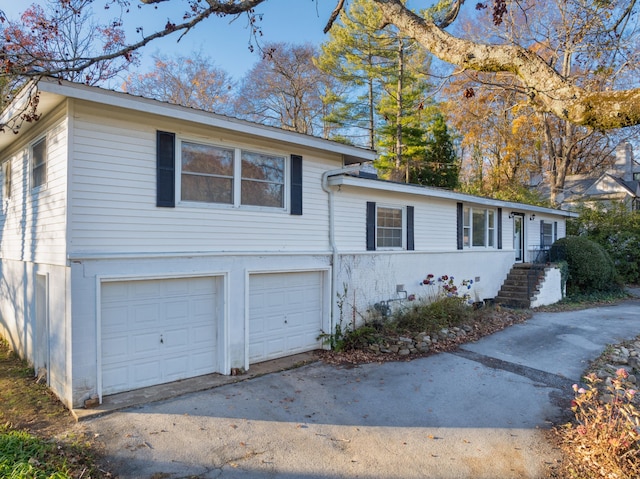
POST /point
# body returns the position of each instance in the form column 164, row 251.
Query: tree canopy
column 25, row 51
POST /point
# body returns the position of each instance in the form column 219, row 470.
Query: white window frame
column 44, row 164
column 490, row 227
column 237, row 177
column 6, row 180
column 403, row 228
column 554, row 234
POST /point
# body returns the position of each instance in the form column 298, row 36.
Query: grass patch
column 34, row 429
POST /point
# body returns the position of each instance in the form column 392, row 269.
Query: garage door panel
column 176, row 339
column 176, row 310
column 285, row 314
column 143, row 316
column 154, row 329
column 146, row 373
column 202, row 335
column 114, row 348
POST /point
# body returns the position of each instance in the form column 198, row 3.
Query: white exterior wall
column 551, row 290
column 33, row 221
column 235, row 271
column 33, row 242
column 366, row 279
column 113, row 194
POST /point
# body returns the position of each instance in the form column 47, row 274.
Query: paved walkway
column 480, row 412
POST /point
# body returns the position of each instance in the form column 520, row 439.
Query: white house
column 144, row 242
column 619, row 184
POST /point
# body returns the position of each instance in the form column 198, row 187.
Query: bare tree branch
column 546, row 88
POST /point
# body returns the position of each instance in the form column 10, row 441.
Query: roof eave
column 431, row 192
column 52, row 89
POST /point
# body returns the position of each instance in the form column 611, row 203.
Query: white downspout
column 332, row 235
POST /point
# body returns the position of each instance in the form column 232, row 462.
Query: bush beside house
column 617, row 230
column 591, row 269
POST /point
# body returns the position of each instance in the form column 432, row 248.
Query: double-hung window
column 231, row 176
column 389, row 228
column 548, row 234
column 479, row 227
column 39, row 163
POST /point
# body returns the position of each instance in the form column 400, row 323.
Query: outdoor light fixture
column 532, row 217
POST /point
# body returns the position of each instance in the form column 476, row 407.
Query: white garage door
column 285, row 314
column 157, row 331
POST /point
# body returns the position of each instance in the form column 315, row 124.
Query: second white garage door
column 285, row 314
column 157, row 331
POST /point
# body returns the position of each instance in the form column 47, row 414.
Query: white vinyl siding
column 34, row 224
column 114, row 195
column 434, row 220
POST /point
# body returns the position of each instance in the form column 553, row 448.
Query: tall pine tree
column 439, row 165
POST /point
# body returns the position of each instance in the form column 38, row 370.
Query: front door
column 518, row 237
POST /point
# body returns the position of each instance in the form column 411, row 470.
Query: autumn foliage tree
column 285, row 89
column 189, row 80
column 545, row 85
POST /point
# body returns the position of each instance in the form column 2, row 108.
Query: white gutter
column 332, row 235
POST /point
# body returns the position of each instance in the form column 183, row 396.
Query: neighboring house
column 620, row 184
column 144, row 242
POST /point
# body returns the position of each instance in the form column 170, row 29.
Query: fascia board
column 429, row 192
column 146, row 105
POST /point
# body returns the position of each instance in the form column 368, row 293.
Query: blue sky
column 223, row 40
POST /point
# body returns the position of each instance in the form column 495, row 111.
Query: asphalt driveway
column 480, row 412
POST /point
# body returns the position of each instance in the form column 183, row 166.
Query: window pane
column 6, row 179
column 547, row 233
column 262, row 194
column 262, row 180
column 39, row 163
column 466, row 229
column 479, row 228
column 258, row 166
column 491, row 215
column 209, row 189
column 389, row 228
column 207, row 159
column 207, row 173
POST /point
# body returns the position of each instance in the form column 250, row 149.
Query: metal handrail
column 540, row 259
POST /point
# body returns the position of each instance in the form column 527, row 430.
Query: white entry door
column 518, row 237
column 158, row 331
column 285, row 314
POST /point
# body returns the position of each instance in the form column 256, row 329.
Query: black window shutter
column 371, row 226
column 166, row 169
column 499, row 228
column 555, row 231
column 542, row 245
column 296, row 185
column 460, row 227
column 410, row 241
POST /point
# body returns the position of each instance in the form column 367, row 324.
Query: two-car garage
column 155, row 331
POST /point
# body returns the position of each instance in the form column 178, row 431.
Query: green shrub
column 590, row 266
column 435, row 315
column 617, row 230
